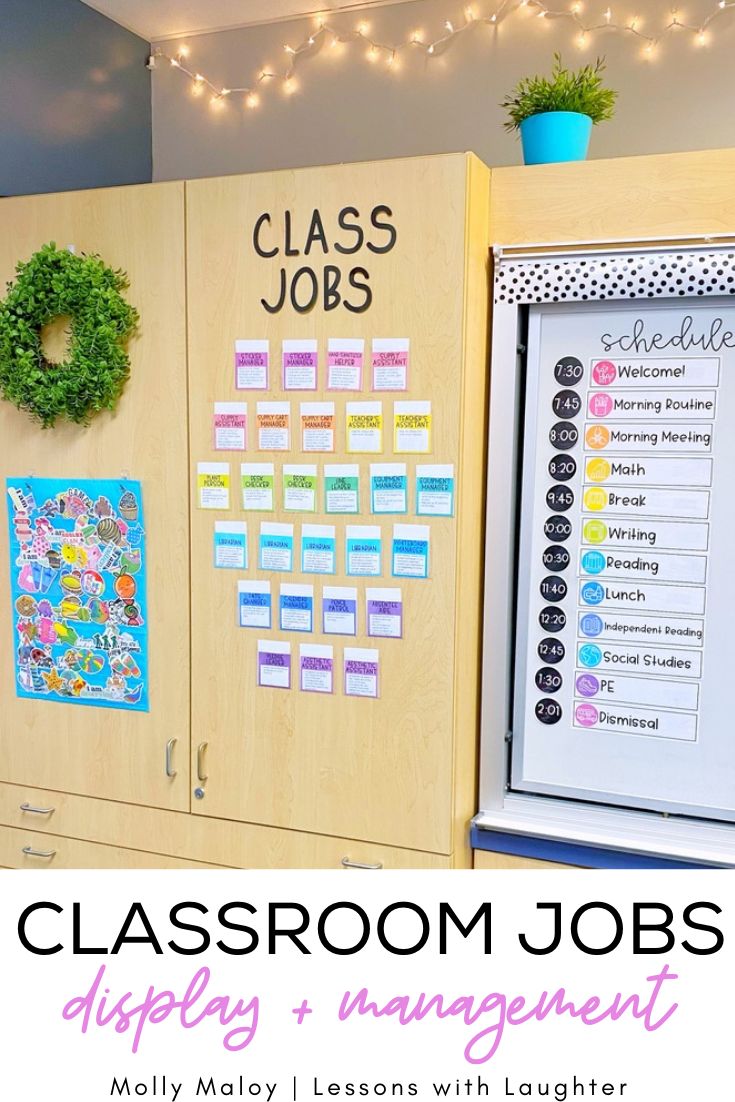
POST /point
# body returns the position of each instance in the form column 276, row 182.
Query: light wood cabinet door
column 110, row 753
column 384, row 770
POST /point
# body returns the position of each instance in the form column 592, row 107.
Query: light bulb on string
column 252, row 99
column 434, row 45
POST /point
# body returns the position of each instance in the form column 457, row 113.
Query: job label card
column 296, row 608
column 300, row 360
column 364, row 426
column 316, row 668
column 257, row 486
column 344, row 363
column 230, row 426
column 410, row 553
column 339, row 610
column 360, row 672
column 412, row 426
column 251, row 365
column 435, row 490
column 274, row 426
column 254, row 604
column 231, row 544
column 317, row 426
column 341, row 488
column 299, row 488
column 363, row 550
column 274, row 664
column 318, row 549
column 213, row 485
column 276, row 547
column 384, row 613
column 388, row 488
column 390, row 363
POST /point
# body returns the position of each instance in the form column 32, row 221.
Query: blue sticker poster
column 78, row 585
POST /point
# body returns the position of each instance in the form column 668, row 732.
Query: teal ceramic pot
column 555, row 136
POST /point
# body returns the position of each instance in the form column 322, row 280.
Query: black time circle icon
column 551, row 650
column 559, row 498
column 568, row 371
column 562, row 467
column 567, row 403
column 563, row 435
column 548, row 710
column 553, row 589
column 556, row 558
column 558, row 528
column 548, row 680
column 552, row 619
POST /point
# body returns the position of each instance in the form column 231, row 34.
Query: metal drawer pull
column 29, row 851
column 37, row 810
column 201, row 750
column 347, row 864
column 170, row 771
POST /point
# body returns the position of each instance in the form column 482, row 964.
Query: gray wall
column 75, row 108
column 348, row 109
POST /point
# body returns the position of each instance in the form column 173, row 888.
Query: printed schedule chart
column 621, row 681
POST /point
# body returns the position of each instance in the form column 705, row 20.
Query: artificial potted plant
column 555, row 115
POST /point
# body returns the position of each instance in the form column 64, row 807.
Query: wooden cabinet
column 26, row 849
column 29, row 815
column 109, row 753
column 263, row 778
column 398, row 770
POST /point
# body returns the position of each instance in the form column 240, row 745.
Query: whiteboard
column 624, row 685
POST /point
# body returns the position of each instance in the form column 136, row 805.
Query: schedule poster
column 78, row 582
column 626, row 590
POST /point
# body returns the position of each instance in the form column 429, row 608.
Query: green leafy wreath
column 57, row 283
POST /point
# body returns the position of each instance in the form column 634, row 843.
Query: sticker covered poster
column 77, row 571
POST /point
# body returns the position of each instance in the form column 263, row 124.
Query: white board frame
column 650, row 831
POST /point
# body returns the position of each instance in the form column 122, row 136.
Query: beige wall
column 349, row 110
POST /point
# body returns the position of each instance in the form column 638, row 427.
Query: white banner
column 296, row 986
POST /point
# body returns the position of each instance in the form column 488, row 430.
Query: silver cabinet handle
column 37, row 810
column 347, row 864
column 170, row 771
column 29, row 851
column 201, row 750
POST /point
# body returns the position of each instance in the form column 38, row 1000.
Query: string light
column 323, row 30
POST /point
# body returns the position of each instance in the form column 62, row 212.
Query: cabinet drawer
column 29, row 849
column 195, row 838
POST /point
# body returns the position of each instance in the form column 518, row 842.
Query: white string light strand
column 376, row 50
